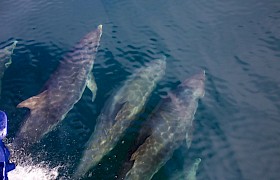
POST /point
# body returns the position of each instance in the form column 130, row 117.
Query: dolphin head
column 5, row 54
column 3, row 125
column 154, row 69
column 196, row 84
column 158, row 64
column 91, row 40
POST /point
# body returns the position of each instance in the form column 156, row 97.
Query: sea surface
column 236, row 127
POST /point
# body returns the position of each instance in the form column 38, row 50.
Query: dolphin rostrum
column 118, row 113
column 6, row 59
column 63, row 89
column 171, row 126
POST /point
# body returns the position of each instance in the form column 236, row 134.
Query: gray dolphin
column 6, row 59
column 63, row 89
column 171, row 126
column 118, row 113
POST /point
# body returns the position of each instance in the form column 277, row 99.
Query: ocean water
column 237, row 127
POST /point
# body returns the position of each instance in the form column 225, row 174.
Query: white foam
column 27, row 169
column 33, row 172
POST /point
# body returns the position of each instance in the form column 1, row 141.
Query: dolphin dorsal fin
column 32, row 102
column 141, row 149
column 134, row 156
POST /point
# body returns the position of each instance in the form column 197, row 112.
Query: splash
column 29, row 169
column 33, row 172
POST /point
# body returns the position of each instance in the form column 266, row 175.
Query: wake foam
column 33, row 172
column 28, row 169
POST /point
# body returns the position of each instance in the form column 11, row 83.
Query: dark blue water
column 237, row 128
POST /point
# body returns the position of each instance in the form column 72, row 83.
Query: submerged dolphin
column 189, row 172
column 171, row 126
column 6, row 59
column 118, row 113
column 63, row 89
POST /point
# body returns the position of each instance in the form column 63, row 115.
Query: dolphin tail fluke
column 32, row 102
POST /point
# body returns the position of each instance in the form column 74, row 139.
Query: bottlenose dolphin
column 6, row 59
column 118, row 113
column 171, row 126
column 189, row 172
column 63, row 89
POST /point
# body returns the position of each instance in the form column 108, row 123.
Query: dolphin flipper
column 189, row 138
column 92, row 85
